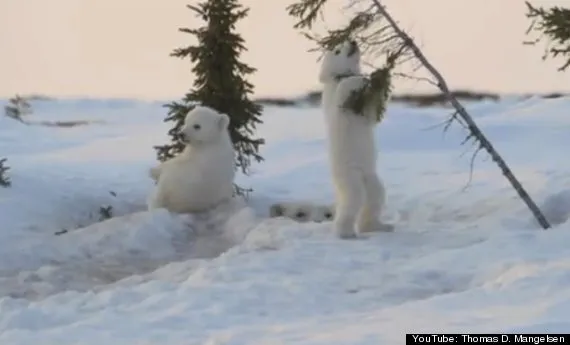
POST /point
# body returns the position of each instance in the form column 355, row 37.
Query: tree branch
column 407, row 76
column 462, row 112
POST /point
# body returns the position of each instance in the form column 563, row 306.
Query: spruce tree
column 219, row 81
column 552, row 25
column 17, row 108
column 4, row 179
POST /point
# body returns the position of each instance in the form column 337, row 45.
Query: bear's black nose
column 353, row 47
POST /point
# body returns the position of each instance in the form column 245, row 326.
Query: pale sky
column 120, row 48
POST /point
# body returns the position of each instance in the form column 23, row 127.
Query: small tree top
column 553, row 26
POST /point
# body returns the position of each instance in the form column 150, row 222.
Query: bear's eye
column 196, row 127
column 328, row 215
column 336, row 52
column 300, row 215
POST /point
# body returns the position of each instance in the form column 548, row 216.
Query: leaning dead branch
column 474, row 130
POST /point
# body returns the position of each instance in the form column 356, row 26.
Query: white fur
column 302, row 212
column 359, row 193
column 154, row 173
column 202, row 175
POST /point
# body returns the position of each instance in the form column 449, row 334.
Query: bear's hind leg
column 350, row 194
column 155, row 200
column 369, row 216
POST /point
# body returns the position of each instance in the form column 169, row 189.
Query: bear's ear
column 223, row 122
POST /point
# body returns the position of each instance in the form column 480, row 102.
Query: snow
column 465, row 257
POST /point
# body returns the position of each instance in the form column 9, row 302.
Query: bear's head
column 343, row 60
column 203, row 125
column 323, row 213
column 302, row 212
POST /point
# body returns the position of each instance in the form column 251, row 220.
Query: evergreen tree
column 17, row 108
column 552, row 24
column 4, row 179
column 219, row 81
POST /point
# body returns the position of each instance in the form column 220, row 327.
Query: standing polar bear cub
column 360, row 194
column 202, row 175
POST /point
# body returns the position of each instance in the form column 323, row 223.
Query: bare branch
column 471, row 168
column 452, row 118
column 445, row 124
column 407, row 76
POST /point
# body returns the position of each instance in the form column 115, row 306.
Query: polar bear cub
column 202, row 175
column 302, row 211
column 359, row 192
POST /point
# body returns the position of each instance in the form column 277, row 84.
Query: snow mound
column 461, row 259
column 130, row 245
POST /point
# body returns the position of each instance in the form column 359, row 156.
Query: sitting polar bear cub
column 359, row 193
column 302, row 212
column 202, row 175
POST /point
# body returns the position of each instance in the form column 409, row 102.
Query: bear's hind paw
column 346, row 234
column 377, row 227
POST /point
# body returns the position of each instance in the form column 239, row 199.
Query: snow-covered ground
column 461, row 259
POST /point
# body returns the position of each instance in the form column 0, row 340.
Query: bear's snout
column 183, row 137
column 353, row 47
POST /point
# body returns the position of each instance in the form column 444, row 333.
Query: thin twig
column 407, row 76
column 471, row 168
